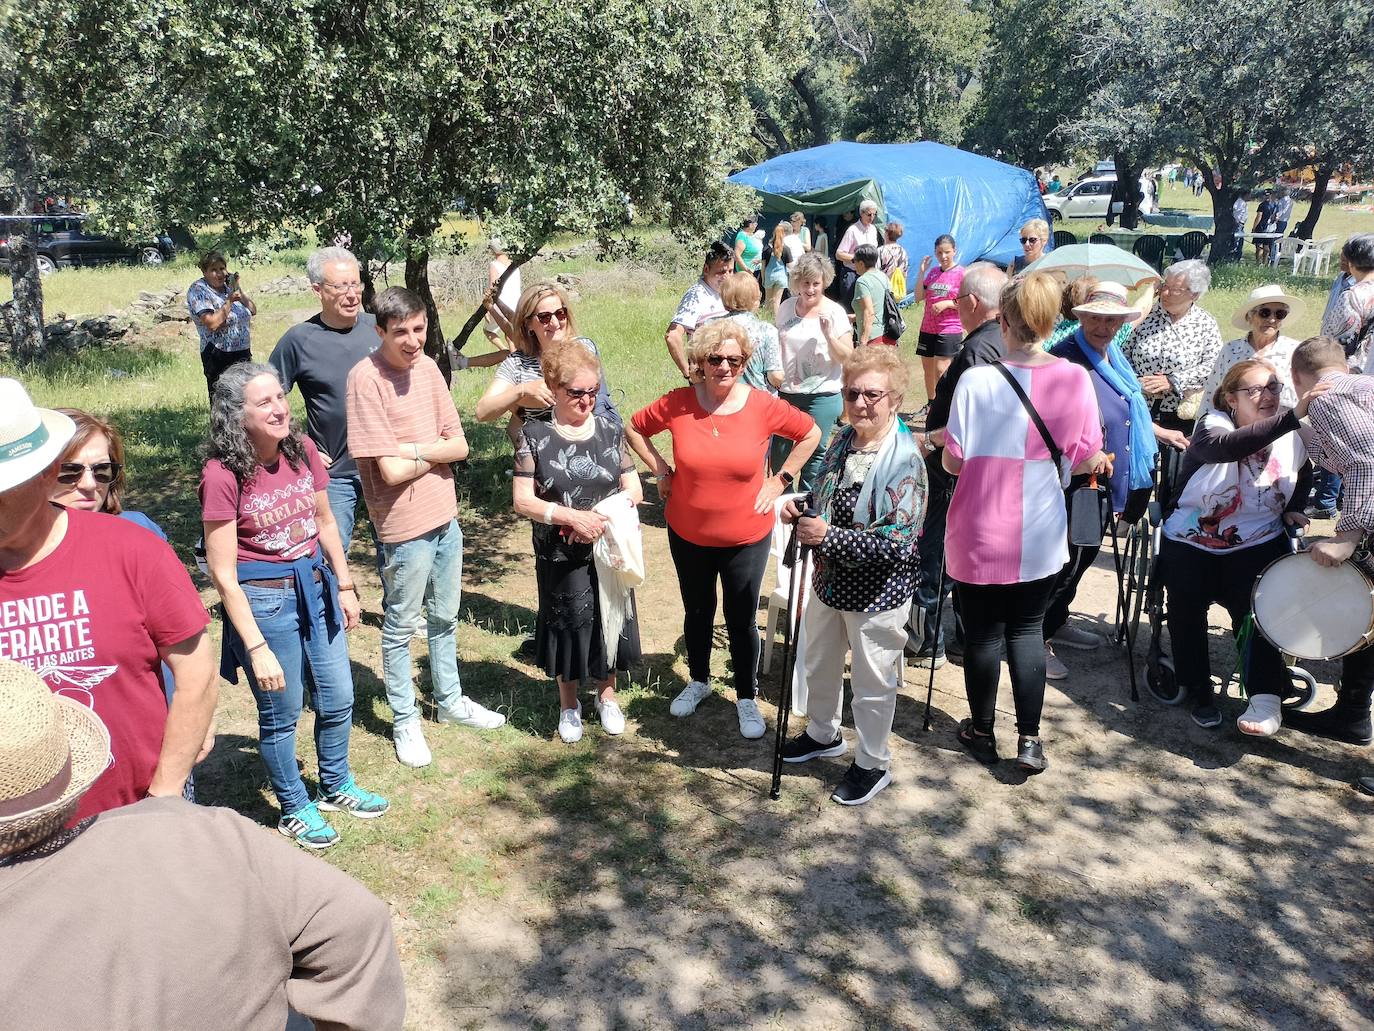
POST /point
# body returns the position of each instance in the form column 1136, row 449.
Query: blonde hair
column 565, row 360
column 808, row 267
column 525, row 339
column 779, row 239
column 1040, row 227
column 1030, row 306
column 878, row 358
column 740, row 292
column 709, row 337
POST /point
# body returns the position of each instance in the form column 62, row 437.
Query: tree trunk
column 25, row 316
column 475, row 319
column 814, row 116
column 1307, row 228
column 1127, row 191
column 417, row 279
column 1224, row 226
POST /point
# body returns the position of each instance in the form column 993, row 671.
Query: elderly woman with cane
column 862, row 523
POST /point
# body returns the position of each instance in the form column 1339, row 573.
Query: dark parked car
column 64, row 243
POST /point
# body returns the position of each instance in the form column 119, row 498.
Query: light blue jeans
column 426, row 571
column 344, row 493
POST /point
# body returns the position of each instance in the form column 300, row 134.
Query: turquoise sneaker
column 352, row 799
column 307, row 827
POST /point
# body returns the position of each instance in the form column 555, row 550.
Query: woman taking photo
column 1244, row 477
column 221, row 312
column 815, row 338
column 1007, row 535
column 941, row 331
column 274, row 555
column 869, row 503
column 563, row 467
column 719, row 504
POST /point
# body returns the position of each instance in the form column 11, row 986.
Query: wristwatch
column 786, row 477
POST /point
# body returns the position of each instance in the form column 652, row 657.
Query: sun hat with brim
column 1108, row 299
column 1271, row 293
column 52, row 749
column 31, row 438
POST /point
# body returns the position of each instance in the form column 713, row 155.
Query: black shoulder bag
column 1089, row 506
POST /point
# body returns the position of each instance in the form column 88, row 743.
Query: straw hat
column 51, row 751
column 1270, row 293
column 1108, row 299
column 30, row 438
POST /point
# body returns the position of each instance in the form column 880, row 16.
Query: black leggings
column 1014, row 613
column 213, row 362
column 740, row 572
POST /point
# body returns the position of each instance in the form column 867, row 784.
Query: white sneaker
column 470, row 714
column 692, row 695
column 751, row 723
column 612, row 719
column 411, row 749
column 1054, row 669
column 570, row 725
column 1075, row 637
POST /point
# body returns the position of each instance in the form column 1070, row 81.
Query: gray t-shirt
column 318, row 359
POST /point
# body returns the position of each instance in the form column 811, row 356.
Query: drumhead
column 1313, row 611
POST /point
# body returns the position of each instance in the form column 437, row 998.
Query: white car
column 1087, row 198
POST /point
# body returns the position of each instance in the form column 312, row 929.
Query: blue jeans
column 331, row 694
column 344, row 494
column 425, row 571
column 1326, row 490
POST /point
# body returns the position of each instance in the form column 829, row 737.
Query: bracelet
column 260, row 644
column 348, row 587
column 548, row 513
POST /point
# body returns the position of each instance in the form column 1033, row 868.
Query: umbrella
column 1104, row 260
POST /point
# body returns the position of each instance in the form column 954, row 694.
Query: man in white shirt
column 864, row 231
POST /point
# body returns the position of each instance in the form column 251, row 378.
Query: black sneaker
column 1365, row 785
column 982, row 747
column 1206, row 715
column 804, row 747
column 1313, row 512
column 1030, row 755
column 859, row 785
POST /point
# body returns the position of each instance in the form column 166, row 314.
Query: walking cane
column 791, row 634
column 939, row 617
column 1123, row 603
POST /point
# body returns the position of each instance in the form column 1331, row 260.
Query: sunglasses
column 1253, row 393
column 871, row 396
column 578, row 395
column 717, row 360
column 104, row 473
column 545, row 317
column 1272, row 313
column 1029, row 239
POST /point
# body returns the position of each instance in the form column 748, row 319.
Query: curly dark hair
column 228, row 440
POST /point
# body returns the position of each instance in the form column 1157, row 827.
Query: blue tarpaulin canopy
column 928, row 187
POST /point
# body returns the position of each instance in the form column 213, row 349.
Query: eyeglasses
column 578, row 395
column 344, row 288
column 1278, row 314
column 1253, row 393
column 545, row 317
column 717, row 360
column 104, row 473
column 1029, row 239
column 870, row 396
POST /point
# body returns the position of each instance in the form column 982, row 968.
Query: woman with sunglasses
column 542, row 320
column 865, row 513
column 720, row 507
column 1263, row 316
column 276, row 559
column 91, row 472
column 1034, row 235
column 564, row 466
column 1244, row 477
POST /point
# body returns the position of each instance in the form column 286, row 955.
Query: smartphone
column 232, row 283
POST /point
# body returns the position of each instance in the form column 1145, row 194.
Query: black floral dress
column 576, row 474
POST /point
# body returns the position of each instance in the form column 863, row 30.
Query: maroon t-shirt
column 89, row 619
column 275, row 510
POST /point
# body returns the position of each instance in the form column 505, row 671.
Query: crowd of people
column 1038, row 391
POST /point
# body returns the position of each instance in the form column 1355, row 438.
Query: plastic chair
column 777, row 600
column 1150, row 249
column 1191, row 244
column 1101, row 238
column 1064, row 238
column 1321, row 256
column 1290, row 249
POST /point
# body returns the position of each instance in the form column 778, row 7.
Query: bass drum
column 1314, row 611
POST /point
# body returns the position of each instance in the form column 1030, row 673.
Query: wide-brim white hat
column 31, row 438
column 1108, row 299
column 1270, row 293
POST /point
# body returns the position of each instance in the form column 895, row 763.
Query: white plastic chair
column 1290, row 249
column 1321, row 257
column 777, row 600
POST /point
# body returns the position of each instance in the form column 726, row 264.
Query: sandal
column 1265, row 713
column 982, row 747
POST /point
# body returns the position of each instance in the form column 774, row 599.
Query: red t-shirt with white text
column 275, row 510
column 89, row 619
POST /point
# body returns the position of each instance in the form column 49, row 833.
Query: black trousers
column 739, row 571
column 214, row 361
column 1014, row 614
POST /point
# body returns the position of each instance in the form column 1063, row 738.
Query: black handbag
column 1088, row 507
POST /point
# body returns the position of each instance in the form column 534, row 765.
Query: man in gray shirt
column 317, row 356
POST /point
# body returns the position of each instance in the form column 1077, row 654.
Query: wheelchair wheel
column 1162, row 683
column 1305, row 685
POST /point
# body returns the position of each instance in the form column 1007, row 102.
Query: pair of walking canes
column 797, row 557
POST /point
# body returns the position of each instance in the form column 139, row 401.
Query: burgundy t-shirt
column 275, row 510
column 89, row 619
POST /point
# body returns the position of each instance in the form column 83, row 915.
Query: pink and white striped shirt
column 1007, row 522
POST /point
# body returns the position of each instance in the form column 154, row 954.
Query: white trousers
column 875, row 672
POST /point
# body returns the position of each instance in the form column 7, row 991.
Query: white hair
column 868, row 205
column 314, row 268
column 985, row 281
column 1194, row 273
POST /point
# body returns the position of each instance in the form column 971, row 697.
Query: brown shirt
column 389, row 408
column 164, row 914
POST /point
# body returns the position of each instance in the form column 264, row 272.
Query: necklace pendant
column 715, row 432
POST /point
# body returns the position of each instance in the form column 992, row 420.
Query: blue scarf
column 1119, row 375
column 318, row 604
column 892, row 498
